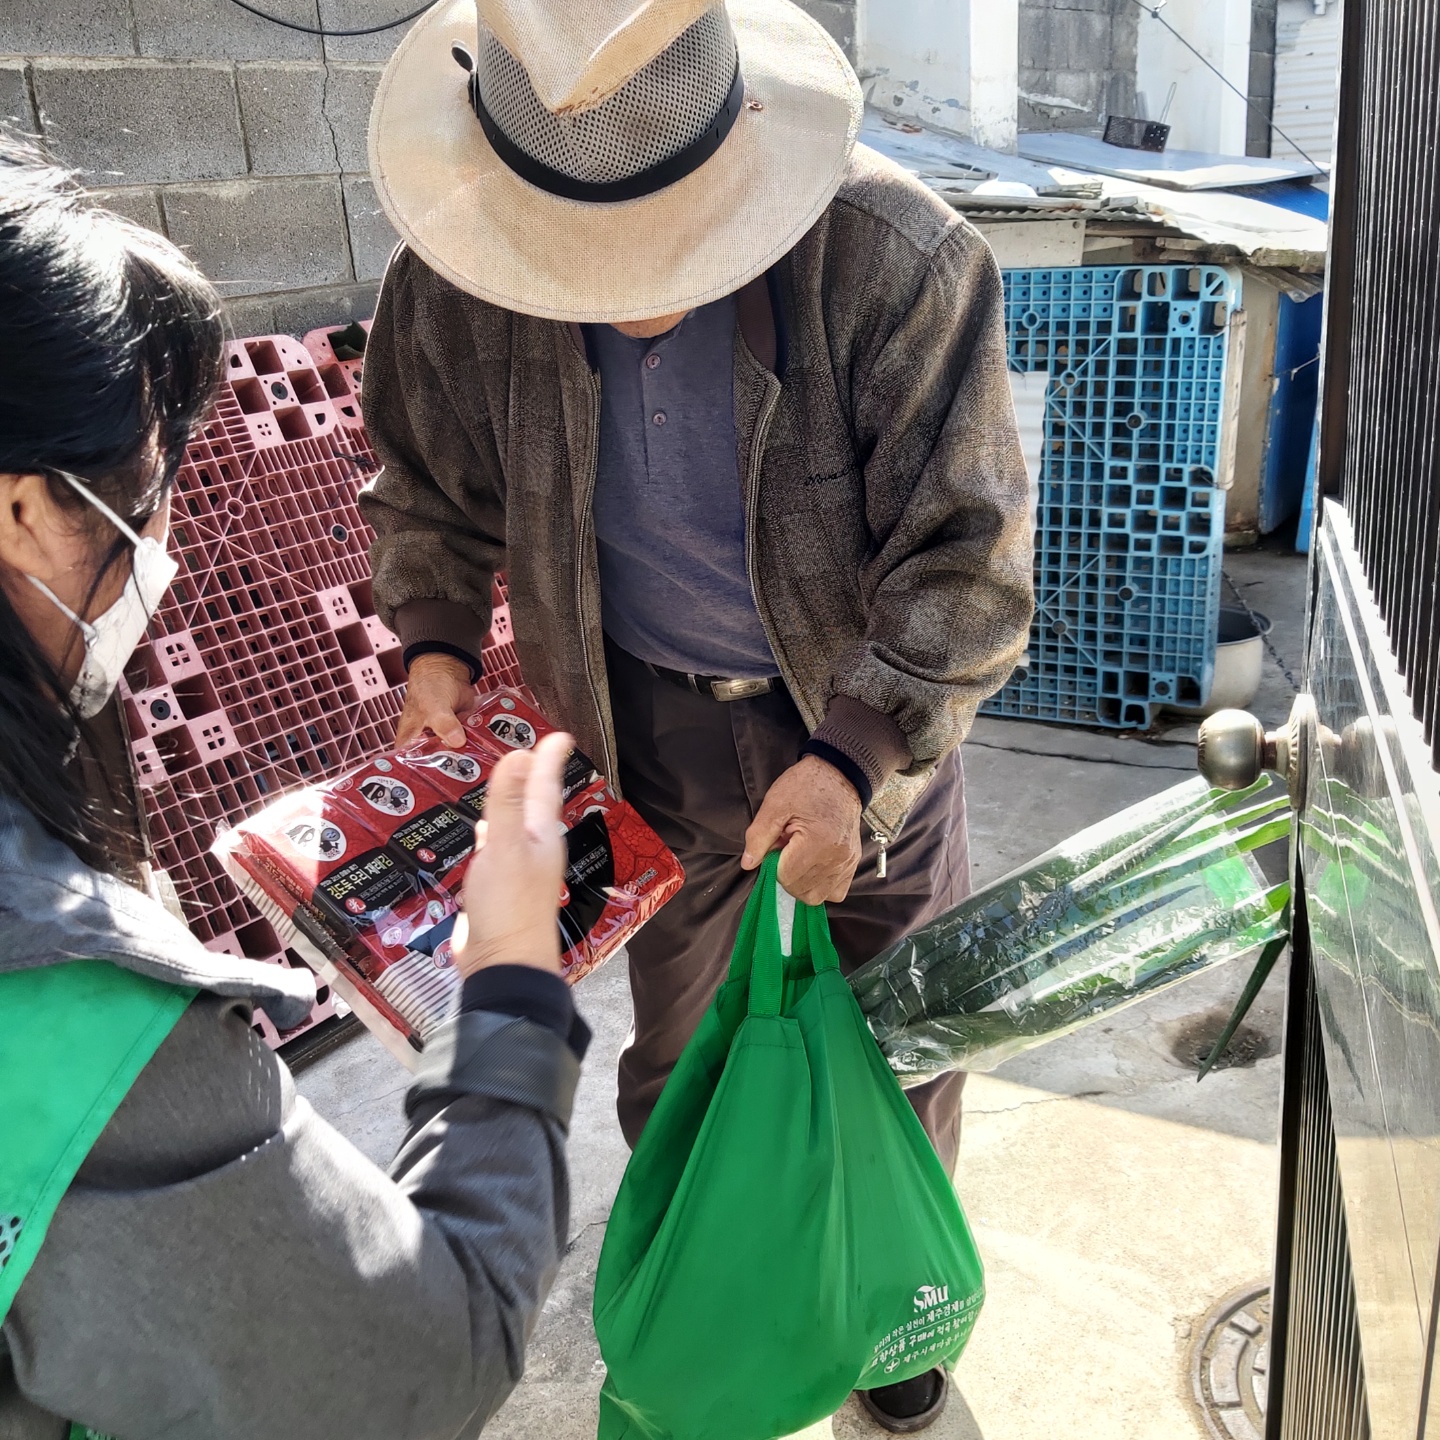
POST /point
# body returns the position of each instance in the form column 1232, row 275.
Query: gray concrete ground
column 1113, row 1198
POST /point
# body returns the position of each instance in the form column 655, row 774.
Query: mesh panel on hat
column 661, row 109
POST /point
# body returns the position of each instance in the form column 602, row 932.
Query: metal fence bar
column 1380, row 416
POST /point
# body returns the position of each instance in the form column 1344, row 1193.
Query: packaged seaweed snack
column 363, row 874
column 431, row 833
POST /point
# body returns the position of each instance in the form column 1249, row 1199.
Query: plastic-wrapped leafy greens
column 1148, row 897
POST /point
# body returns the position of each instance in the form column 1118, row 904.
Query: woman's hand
column 512, row 889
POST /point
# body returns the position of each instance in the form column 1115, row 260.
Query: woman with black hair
column 186, row 1249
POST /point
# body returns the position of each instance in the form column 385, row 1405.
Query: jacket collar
column 54, row 908
column 761, row 314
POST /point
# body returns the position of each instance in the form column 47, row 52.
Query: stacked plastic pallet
column 1130, row 522
column 267, row 666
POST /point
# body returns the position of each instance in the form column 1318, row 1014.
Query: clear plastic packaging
column 1127, row 907
column 363, row 873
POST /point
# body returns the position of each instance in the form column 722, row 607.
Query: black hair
column 110, row 351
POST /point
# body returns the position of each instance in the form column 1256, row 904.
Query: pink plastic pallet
column 267, row 666
column 285, row 393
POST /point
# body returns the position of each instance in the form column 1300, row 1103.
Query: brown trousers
column 697, row 769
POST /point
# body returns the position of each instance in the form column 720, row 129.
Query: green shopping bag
column 784, row 1233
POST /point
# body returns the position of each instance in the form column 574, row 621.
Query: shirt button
column 652, row 362
column 659, row 417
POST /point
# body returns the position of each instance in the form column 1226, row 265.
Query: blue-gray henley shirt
column 669, row 512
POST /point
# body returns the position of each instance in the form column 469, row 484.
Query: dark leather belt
column 714, row 687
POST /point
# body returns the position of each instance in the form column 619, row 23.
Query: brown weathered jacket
column 887, row 526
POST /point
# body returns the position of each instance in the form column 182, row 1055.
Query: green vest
column 73, row 1038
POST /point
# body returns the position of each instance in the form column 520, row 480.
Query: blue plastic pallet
column 1130, row 528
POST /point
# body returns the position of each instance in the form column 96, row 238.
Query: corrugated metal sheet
column 1263, row 234
column 1307, row 55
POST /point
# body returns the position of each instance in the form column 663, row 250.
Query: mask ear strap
column 86, row 628
column 82, row 489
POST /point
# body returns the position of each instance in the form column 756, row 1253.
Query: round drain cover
column 1229, row 1367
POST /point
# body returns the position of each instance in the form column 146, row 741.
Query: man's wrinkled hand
column 438, row 697
column 812, row 815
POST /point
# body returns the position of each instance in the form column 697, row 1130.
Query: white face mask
column 111, row 638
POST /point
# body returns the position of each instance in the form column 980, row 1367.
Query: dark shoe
column 911, row 1405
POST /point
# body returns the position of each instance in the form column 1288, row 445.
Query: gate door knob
column 1234, row 750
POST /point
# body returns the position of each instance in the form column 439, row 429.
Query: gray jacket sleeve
column 226, row 1265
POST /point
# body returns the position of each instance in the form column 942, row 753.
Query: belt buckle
column 739, row 689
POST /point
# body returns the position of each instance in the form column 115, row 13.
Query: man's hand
column 813, row 812
column 438, row 697
column 512, row 888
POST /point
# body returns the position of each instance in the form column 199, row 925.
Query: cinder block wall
column 1077, row 63
column 1262, row 77
column 243, row 142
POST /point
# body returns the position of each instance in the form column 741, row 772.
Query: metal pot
column 1239, row 661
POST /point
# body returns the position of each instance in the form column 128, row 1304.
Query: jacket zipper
column 752, row 501
column 587, row 525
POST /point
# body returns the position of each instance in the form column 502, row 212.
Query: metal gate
column 1356, row 1297
column 1317, row 1373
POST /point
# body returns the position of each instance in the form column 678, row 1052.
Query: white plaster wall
column 952, row 64
column 1205, row 114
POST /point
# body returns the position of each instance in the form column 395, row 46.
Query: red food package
column 430, row 834
column 504, row 719
column 334, row 875
column 364, row 873
column 463, row 776
column 619, row 874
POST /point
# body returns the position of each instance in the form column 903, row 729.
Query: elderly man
column 724, row 393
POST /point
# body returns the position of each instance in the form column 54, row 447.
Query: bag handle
column 761, row 942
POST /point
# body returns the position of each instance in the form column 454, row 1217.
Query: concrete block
column 1125, row 39
column 218, row 30
column 138, row 203
column 1064, row 40
column 1263, row 14
column 838, row 17
column 281, row 110
column 1031, row 115
column 1058, row 99
column 15, row 106
column 372, row 237
column 1119, row 93
column 348, row 99
column 300, row 311
column 133, row 121
column 250, row 315
column 66, row 27
column 1262, row 76
column 255, row 236
column 1064, row 90
column 358, row 14
column 1262, row 93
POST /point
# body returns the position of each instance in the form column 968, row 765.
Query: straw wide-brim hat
column 468, row 215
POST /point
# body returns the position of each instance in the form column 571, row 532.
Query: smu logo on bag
column 927, row 1297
